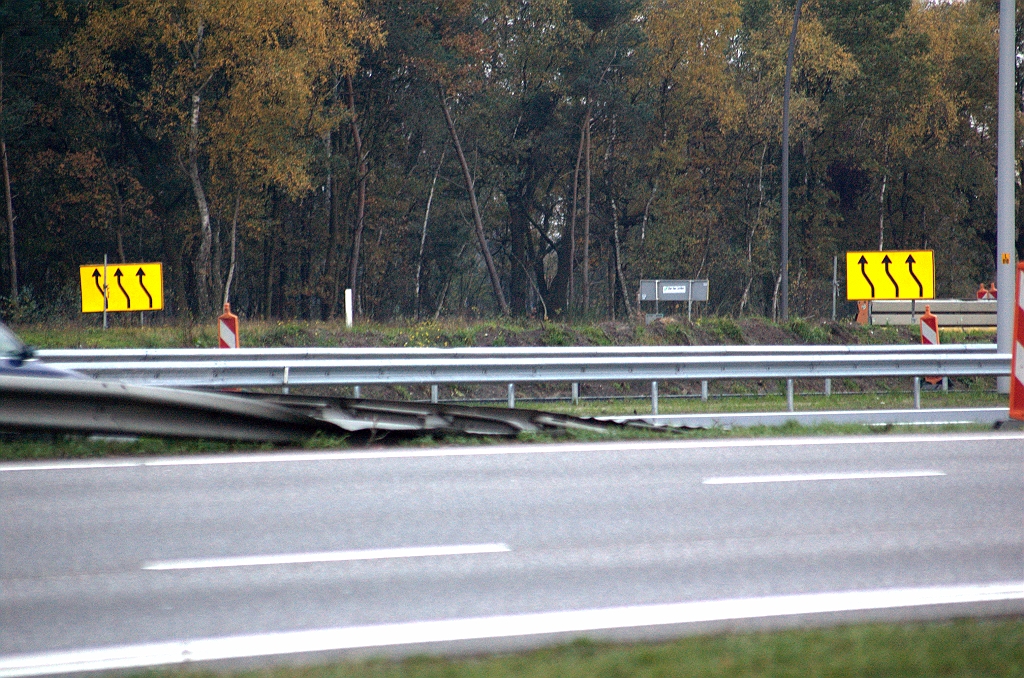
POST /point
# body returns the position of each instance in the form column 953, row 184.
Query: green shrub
column 595, row 335
column 808, row 333
column 555, row 335
column 724, row 328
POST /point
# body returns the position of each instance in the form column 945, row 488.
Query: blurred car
column 17, row 359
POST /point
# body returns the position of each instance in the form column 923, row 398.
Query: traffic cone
column 227, row 328
column 982, row 292
column 993, row 293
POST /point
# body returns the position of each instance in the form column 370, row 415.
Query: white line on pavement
column 453, row 630
column 409, row 453
column 327, row 556
column 801, row 477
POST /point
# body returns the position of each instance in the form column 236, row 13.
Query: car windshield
column 9, row 343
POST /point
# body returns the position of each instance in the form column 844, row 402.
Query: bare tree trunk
column 10, row 221
column 499, row 296
column 7, row 190
column 334, row 232
column 775, row 299
column 572, row 220
column 753, row 230
column 234, row 236
column 881, row 214
column 357, row 234
column 611, row 285
column 618, row 260
column 586, row 214
column 202, row 267
column 205, row 232
column 423, row 237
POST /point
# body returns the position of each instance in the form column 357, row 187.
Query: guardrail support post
column 654, row 397
column 828, row 387
column 704, row 390
column 357, row 392
column 575, row 393
column 917, row 393
column 789, row 395
column 433, row 393
column 945, row 384
column 511, row 396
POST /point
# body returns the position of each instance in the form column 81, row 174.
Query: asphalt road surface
column 108, row 564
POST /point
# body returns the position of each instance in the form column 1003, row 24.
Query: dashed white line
column 326, row 557
column 804, row 477
column 506, row 626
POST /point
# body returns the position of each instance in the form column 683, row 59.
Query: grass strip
column 895, row 400
column 40, row 447
column 958, row 648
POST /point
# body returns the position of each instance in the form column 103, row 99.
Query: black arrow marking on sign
column 142, row 274
column 864, row 262
column 888, row 261
column 96, row 278
column 910, row 265
column 118, row 274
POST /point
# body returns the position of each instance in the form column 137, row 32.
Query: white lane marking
column 452, row 630
column 801, row 477
column 414, row 453
column 327, row 556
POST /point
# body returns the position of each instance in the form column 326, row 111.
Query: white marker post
column 348, row 308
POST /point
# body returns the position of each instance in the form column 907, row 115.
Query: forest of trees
column 483, row 157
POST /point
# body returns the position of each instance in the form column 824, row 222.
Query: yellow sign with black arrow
column 893, row 274
column 122, row 287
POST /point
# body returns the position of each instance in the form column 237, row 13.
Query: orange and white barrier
column 227, row 328
column 929, row 328
column 930, row 335
column 1017, row 354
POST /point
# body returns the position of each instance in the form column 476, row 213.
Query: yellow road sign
column 895, row 274
column 129, row 287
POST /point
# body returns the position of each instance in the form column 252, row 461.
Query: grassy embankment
column 992, row 648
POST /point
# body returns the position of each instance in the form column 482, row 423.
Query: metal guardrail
column 86, row 406
column 284, row 372
column 77, row 356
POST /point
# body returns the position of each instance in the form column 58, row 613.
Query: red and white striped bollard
column 227, row 329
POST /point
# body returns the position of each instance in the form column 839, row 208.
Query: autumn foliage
column 475, row 157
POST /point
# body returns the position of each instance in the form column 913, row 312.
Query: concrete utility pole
column 1006, row 250
column 784, row 266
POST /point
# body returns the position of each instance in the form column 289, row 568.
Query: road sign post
column 105, row 292
column 891, row 275
column 136, row 287
column 674, row 290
